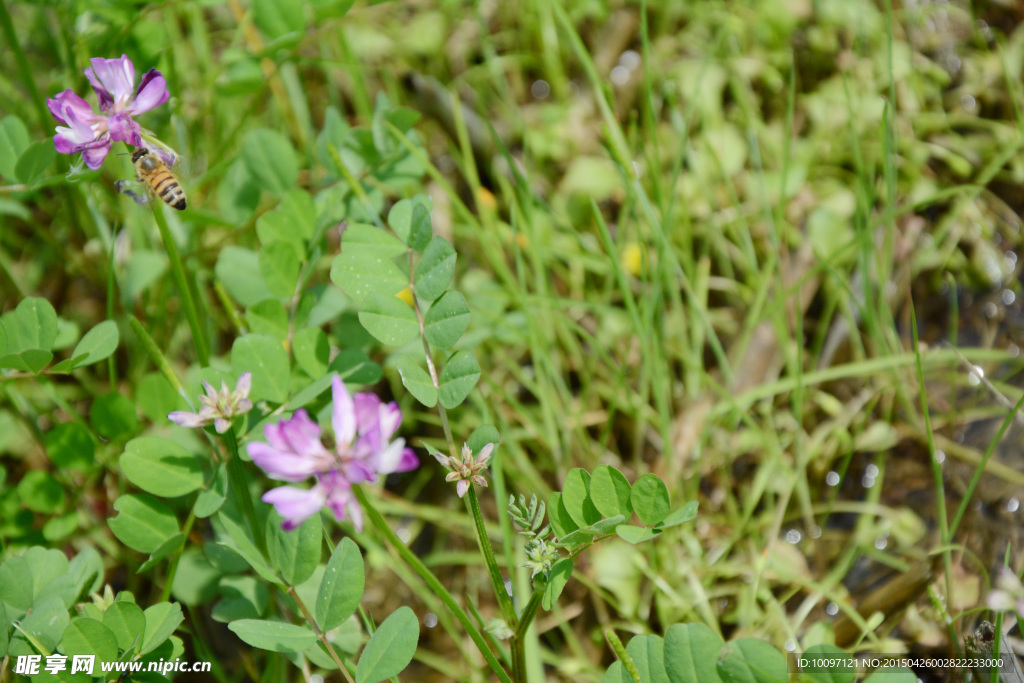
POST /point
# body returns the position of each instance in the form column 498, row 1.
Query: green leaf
column 840, row 667
column 366, row 263
column 372, row 242
column 342, row 586
column 238, row 270
column 244, row 598
column 45, row 624
column 34, row 161
column 32, row 325
column 267, row 360
column 279, row 266
column 156, row 397
column 680, row 516
column 86, row 636
column 210, row 499
column 416, row 380
column 45, row 566
column 40, row 492
column 752, row 660
column 127, row 622
column 391, row 647
column 295, row 553
column 16, row 581
column 32, row 360
column 143, row 523
column 558, row 576
column 60, row 528
column 294, row 221
column 648, row 654
column 161, row 621
column 270, row 158
column 355, row 367
column 273, row 635
column 161, row 467
column 561, row 522
column 576, row 498
column 97, row 344
column 14, row 141
column 113, row 415
column 241, row 543
column 278, row 18
column 269, row 318
column 410, row 219
column 434, row 270
column 483, row 435
column 650, row 499
column 169, row 546
column 582, row 535
column 446, row 320
column 609, row 490
column 389, row 319
column 458, row 377
column 635, row 534
column 691, row 653
column 312, row 351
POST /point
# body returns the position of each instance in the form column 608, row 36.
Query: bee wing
column 125, row 187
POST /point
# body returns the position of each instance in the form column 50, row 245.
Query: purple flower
column 83, row 130
column 219, row 407
column 363, row 427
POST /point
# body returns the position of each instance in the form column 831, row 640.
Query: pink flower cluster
column 83, row 130
column 363, row 426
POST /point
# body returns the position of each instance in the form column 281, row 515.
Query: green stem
column 24, row 70
column 519, row 637
column 239, row 487
column 320, row 634
column 178, row 273
column 428, row 577
column 497, row 582
column 627, row 662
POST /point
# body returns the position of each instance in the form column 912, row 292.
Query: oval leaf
column 295, row 553
column 161, row 467
column 610, row 490
column 576, row 498
column 650, row 499
column 144, row 523
column 458, row 377
column 342, row 586
column 390, row 649
column 389, row 319
column 417, row 381
column 751, row 660
column 434, row 270
column 273, row 635
column 446, row 320
column 267, row 360
column 86, row 636
column 558, row 576
column 97, row 344
column 270, row 160
column 691, row 653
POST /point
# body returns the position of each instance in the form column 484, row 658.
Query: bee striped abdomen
column 154, row 172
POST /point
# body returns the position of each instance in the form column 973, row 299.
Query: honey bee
column 151, row 170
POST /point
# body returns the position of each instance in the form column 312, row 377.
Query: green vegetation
column 735, row 277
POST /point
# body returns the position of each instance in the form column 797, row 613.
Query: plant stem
column 435, row 585
column 320, row 634
column 508, row 612
column 627, row 662
column 519, row 637
column 178, row 273
column 237, row 483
